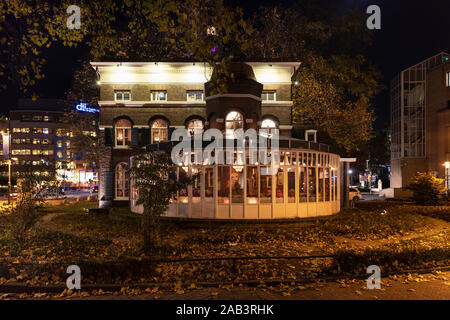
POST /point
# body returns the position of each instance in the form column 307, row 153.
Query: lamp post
column 447, row 174
column 9, row 180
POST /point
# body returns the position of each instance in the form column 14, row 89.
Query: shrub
column 426, row 188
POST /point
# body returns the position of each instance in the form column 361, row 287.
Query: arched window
column 233, row 121
column 159, row 131
column 195, row 126
column 269, row 125
column 122, row 181
column 123, row 133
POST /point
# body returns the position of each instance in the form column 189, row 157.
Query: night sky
column 411, row 31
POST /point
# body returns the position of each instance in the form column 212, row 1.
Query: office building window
column 122, row 95
column 195, row 96
column 123, row 133
column 21, row 130
column 268, row 96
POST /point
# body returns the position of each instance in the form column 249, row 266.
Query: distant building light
column 83, row 108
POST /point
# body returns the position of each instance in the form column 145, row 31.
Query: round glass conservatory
column 303, row 182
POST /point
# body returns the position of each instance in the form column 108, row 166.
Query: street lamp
column 447, row 174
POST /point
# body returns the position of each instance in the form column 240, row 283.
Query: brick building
column 420, row 121
column 140, row 103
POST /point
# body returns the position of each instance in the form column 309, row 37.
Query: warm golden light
column 447, row 165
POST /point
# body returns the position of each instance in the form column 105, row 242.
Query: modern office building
column 420, row 121
column 141, row 103
column 39, row 133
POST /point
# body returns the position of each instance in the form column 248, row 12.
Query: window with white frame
column 268, row 96
column 159, row 130
column 123, row 133
column 269, row 125
column 195, row 95
column 195, row 126
column 158, row 95
column 124, row 95
column 233, row 121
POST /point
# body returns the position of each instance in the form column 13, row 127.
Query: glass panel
column 312, row 184
column 119, row 137
column 196, row 186
column 209, row 182
column 320, row 193
column 294, row 158
column 122, row 183
column 183, row 176
column 223, row 184
column 327, row 184
column 302, row 184
column 291, row 185
column 172, row 179
column 279, row 192
column 237, row 184
column 127, row 134
column 252, row 185
column 265, row 188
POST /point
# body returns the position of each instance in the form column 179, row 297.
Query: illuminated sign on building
column 84, row 108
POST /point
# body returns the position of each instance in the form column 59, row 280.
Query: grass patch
column 115, row 225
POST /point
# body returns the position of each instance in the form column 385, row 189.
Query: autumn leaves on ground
column 107, row 248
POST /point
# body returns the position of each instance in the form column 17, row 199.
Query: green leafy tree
column 154, row 178
column 33, row 186
column 426, row 188
column 209, row 31
column 29, row 28
column 84, row 137
column 335, row 81
column 84, row 85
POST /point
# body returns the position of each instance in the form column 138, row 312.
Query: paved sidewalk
column 407, row 287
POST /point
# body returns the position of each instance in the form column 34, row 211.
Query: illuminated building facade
column 40, row 137
column 420, row 121
column 142, row 103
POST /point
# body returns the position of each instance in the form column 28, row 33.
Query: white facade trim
column 234, row 95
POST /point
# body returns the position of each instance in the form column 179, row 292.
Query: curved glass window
column 195, row 127
column 233, row 121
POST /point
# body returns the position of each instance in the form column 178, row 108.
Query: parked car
column 13, row 194
column 354, row 194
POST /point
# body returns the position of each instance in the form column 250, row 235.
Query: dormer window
column 122, row 95
column 158, row 96
column 268, row 96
